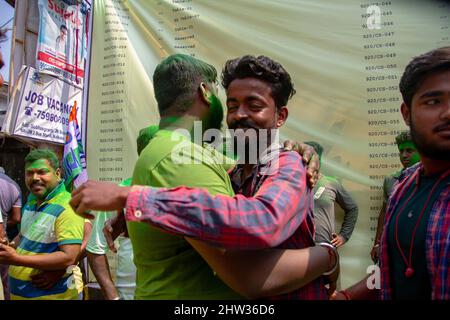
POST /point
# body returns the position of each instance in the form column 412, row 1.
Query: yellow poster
column 346, row 59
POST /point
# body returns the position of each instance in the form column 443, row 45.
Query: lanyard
column 409, row 271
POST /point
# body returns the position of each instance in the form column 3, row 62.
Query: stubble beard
column 427, row 148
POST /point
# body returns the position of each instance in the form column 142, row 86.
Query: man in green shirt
column 168, row 267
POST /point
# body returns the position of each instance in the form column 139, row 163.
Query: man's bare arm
column 52, row 261
column 358, row 291
column 309, row 157
column 375, row 252
column 14, row 218
column 86, row 235
column 3, row 238
column 100, row 268
column 15, row 242
column 262, row 273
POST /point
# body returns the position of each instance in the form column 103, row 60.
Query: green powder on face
column 215, row 118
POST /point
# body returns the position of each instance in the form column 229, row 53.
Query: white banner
column 40, row 110
column 62, row 40
column 345, row 59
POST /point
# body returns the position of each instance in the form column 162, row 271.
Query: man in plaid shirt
column 415, row 244
column 274, row 205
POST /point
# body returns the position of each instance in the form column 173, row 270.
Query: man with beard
column 270, row 210
column 50, row 234
column 409, row 156
column 415, row 246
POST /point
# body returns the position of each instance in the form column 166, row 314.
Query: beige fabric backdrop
column 346, row 77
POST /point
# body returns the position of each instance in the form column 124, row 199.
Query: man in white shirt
column 97, row 246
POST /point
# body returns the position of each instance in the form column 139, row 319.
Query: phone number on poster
column 51, row 117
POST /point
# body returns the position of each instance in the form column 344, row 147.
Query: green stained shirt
column 167, row 266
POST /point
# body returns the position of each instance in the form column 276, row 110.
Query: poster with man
column 62, row 40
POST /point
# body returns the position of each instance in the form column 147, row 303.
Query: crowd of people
column 199, row 221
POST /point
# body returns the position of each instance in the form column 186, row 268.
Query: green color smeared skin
column 48, row 177
column 414, row 158
column 41, row 164
column 215, row 118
